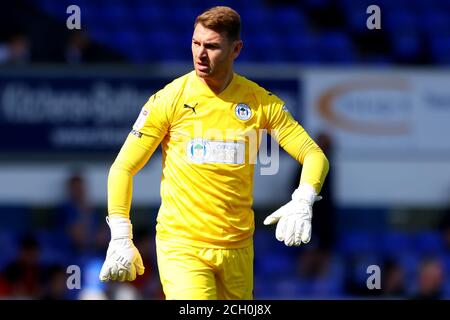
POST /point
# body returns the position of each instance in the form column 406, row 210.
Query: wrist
column 305, row 192
column 120, row 227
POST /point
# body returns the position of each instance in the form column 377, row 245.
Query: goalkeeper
column 203, row 121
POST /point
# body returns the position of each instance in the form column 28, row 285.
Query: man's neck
column 220, row 84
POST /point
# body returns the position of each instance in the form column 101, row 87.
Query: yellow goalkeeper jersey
column 209, row 145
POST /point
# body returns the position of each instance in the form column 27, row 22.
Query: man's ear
column 237, row 47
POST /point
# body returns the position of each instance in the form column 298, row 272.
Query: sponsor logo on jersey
column 192, row 108
column 198, row 150
column 207, row 151
column 140, row 121
column 243, row 111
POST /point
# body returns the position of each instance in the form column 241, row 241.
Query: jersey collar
column 203, row 87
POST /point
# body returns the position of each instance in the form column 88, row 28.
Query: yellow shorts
column 190, row 273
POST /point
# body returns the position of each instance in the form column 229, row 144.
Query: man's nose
column 201, row 52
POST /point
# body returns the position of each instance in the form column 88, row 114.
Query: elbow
column 116, row 166
column 119, row 167
column 325, row 161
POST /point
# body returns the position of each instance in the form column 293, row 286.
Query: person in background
column 80, row 220
column 23, row 275
column 430, row 280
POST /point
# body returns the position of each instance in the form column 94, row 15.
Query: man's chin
column 202, row 74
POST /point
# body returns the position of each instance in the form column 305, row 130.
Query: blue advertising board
column 62, row 111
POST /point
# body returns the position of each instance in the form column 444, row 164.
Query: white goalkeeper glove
column 123, row 259
column 294, row 218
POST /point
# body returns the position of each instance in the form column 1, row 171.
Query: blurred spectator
column 76, row 49
column 16, row 50
column 4, row 287
column 314, row 263
column 430, row 280
column 23, row 274
column 355, row 277
column 87, row 229
column 324, row 224
column 393, row 280
column 148, row 284
column 55, row 286
column 81, row 49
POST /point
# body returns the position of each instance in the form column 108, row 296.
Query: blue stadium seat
column 257, row 20
column 8, row 243
column 125, row 40
column 327, row 288
column 289, row 288
column 440, row 49
column 266, row 47
column 355, row 15
column 150, row 15
column 434, row 22
column 273, row 264
column 89, row 15
column 402, row 20
column 423, row 5
column 301, row 47
column 287, row 19
column 444, row 5
column 405, row 45
column 264, row 287
column 17, row 218
column 409, row 262
column 165, row 45
column 336, row 47
column 114, row 17
column 54, row 8
column 185, row 13
column 331, row 284
column 264, row 241
column 359, row 242
column 446, row 263
column 394, row 243
column 428, row 242
column 410, row 25
column 100, row 35
column 54, row 247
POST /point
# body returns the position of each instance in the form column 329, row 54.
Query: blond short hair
column 222, row 20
